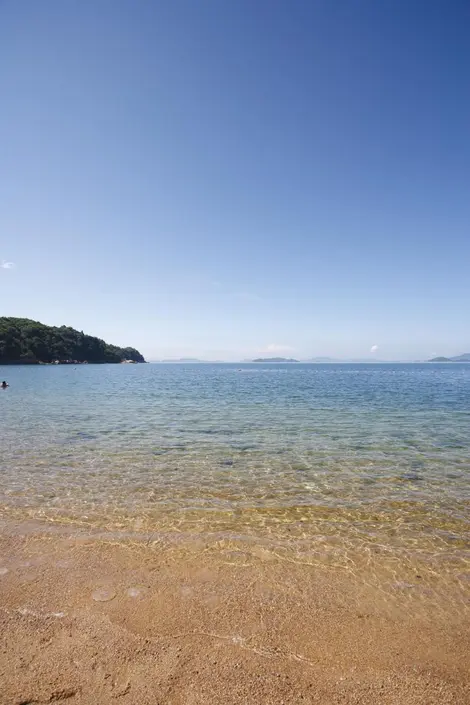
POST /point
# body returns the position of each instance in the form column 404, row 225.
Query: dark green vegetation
column 23, row 341
column 275, row 359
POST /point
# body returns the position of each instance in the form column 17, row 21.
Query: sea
column 335, row 462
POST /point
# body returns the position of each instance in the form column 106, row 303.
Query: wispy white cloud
column 7, row 265
column 374, row 348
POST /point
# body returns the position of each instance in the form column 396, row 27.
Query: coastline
column 199, row 536
column 32, row 363
column 89, row 618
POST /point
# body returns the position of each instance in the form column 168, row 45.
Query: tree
column 26, row 341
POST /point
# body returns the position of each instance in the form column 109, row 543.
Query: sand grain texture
column 207, row 627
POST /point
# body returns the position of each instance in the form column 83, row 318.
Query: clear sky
column 228, row 178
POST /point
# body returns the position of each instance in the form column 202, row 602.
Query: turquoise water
column 373, row 453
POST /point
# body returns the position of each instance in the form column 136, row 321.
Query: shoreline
column 90, row 618
column 430, row 544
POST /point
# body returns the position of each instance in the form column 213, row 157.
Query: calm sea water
column 376, row 454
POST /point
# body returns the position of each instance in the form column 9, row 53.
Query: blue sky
column 233, row 178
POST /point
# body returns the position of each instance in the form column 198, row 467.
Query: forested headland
column 23, row 341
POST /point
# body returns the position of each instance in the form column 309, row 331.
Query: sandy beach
column 96, row 619
column 234, row 353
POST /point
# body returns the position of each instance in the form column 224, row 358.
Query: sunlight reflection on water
column 378, row 455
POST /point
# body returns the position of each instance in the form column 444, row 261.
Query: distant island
column 458, row 358
column 313, row 360
column 27, row 342
column 274, row 359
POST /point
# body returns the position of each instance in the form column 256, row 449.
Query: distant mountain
column 457, row 358
column 274, row 359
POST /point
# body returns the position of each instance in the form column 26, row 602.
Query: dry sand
column 91, row 621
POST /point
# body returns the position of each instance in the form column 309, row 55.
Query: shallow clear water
column 377, row 454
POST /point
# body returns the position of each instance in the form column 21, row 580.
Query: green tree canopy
column 26, row 341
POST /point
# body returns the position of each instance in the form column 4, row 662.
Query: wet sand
column 96, row 620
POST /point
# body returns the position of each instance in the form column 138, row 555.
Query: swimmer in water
column 5, row 384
